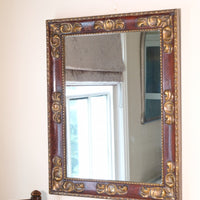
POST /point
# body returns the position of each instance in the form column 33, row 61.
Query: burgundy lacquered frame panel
column 167, row 22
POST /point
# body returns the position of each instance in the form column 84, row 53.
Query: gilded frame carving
column 167, row 21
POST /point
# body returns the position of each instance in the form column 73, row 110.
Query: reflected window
column 151, row 76
column 89, row 132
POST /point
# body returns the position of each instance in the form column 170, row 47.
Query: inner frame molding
column 167, row 22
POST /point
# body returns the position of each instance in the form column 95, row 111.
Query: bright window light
column 90, row 151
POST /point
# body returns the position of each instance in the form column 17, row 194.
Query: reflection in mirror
column 150, row 76
column 107, row 91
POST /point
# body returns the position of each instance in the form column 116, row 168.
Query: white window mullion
column 110, row 138
column 90, row 140
column 69, row 172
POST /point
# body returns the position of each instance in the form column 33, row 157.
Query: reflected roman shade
column 93, row 58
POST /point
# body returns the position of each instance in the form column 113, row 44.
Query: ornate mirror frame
column 167, row 22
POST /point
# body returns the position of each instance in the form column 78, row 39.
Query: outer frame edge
column 179, row 126
column 177, row 12
column 111, row 15
column 48, row 102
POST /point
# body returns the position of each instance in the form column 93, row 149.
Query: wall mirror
column 114, row 106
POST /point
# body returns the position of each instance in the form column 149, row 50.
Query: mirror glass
column 113, row 106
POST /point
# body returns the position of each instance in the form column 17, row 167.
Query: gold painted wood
column 56, row 107
column 169, row 107
column 109, row 25
column 57, row 174
column 71, row 187
column 69, row 28
column 111, row 189
column 55, row 44
column 57, row 29
column 165, row 193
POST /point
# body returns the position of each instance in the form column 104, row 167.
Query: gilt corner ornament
column 56, row 107
column 57, row 179
column 167, row 192
column 169, row 107
column 56, row 31
column 111, row 189
column 165, row 22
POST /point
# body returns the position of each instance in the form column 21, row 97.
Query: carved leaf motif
column 154, row 21
column 77, row 27
column 57, row 117
column 101, row 188
column 71, row 187
column 170, row 179
column 119, row 24
column 54, row 28
column 55, row 44
column 56, row 107
column 170, row 167
column 57, row 174
column 145, row 192
column 167, row 34
column 155, row 193
column 55, row 41
column 68, row 186
column 122, row 189
column 141, row 22
column 109, row 25
column 98, row 25
column 111, row 189
column 56, row 96
column 55, row 53
column 66, row 28
column 169, row 107
column 167, row 38
column 79, row 187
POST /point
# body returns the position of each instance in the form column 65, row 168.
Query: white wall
column 23, row 119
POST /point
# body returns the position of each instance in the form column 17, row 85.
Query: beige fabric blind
column 94, row 58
